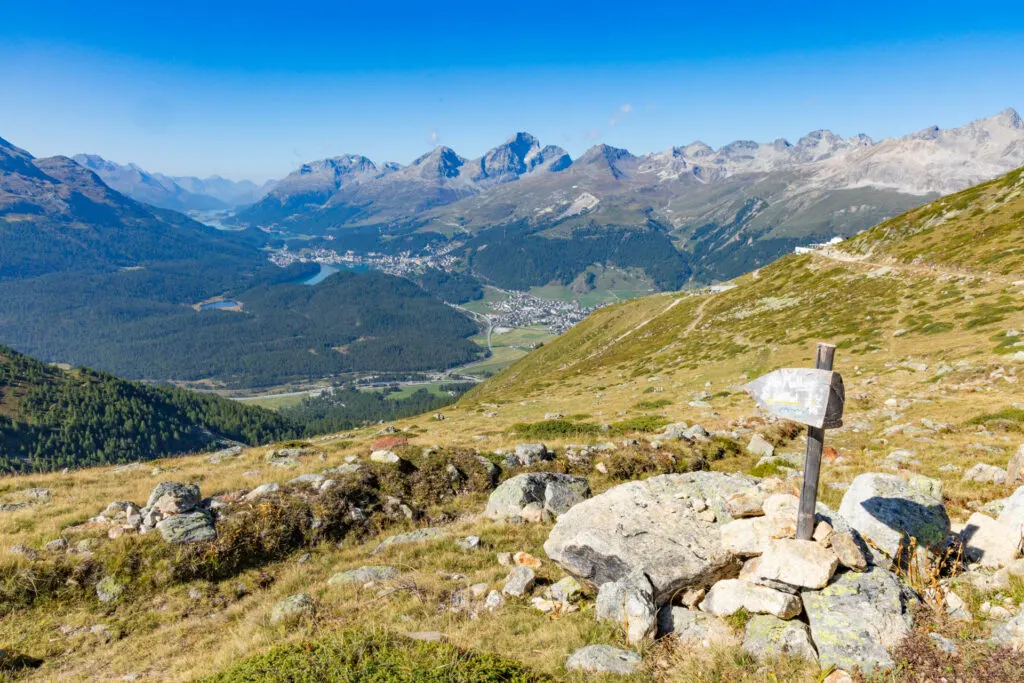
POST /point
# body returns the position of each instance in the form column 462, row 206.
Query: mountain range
column 178, row 193
column 726, row 210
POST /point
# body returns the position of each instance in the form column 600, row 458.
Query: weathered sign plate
column 813, row 397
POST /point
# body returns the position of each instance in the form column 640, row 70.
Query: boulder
column 261, row 491
column 172, row 498
column 1010, row 632
column 385, row 457
column 651, row 525
column 1012, row 514
column 989, row 542
column 886, row 510
column 363, row 575
column 604, row 659
column 805, row 564
column 857, row 619
column 1015, row 468
column 417, row 536
column 193, row 527
column 519, row 582
column 556, row 493
column 528, row 454
column 985, row 474
column 494, row 601
column 746, row 503
column 293, row 607
column 564, row 591
column 760, row 447
column 731, row 595
column 468, row 543
column 630, row 603
column 767, row 637
column 314, row 480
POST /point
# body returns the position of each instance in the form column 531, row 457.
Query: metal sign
column 812, row 397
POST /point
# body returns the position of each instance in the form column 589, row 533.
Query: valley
column 639, row 407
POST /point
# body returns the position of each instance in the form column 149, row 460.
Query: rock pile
column 677, row 553
column 174, row 509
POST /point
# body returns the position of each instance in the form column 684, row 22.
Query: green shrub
column 352, row 657
column 554, row 429
column 653, row 405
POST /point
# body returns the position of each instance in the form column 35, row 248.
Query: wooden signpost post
column 814, row 397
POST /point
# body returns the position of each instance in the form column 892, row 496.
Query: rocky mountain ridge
column 181, row 193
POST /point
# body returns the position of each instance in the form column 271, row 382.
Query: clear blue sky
column 253, row 89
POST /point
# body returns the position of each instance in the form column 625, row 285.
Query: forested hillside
column 52, row 418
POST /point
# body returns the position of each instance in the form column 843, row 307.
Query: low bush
column 375, row 658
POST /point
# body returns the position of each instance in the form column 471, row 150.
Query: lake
column 327, row 270
column 217, row 305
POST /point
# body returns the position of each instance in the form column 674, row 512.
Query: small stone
column 564, row 591
column 479, row 590
column 364, row 575
column 532, row 513
column 1015, row 468
column 989, row 542
column 747, row 503
column 293, row 607
column 505, row 559
column 494, row 601
column 823, row 533
column 731, row 595
column 838, row 676
column 425, row 636
column 692, row 597
column 760, row 447
column 417, row 536
column 385, row 457
column 468, row 543
column 944, row 644
column 261, row 491
column 630, row 603
column 57, row 545
column 985, row 474
column 850, row 551
column 526, row 560
column 798, row 563
column 519, row 582
column 604, row 659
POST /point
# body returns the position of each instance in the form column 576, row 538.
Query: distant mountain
column 177, row 193
column 231, row 192
column 353, row 190
column 56, row 215
column 725, row 211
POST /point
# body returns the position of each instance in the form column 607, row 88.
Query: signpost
column 814, row 397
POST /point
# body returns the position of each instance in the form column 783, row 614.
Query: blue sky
column 253, row 89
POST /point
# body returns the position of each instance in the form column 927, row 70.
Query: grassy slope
column 650, row 356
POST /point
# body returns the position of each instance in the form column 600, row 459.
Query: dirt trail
column 927, row 271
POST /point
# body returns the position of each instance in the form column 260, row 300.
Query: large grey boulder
column 556, row 493
column 193, row 527
column 658, row 526
column 1015, row 468
column 887, row 510
column 173, row 498
column 858, row 619
column 767, row 636
column 603, row 659
column 630, row 603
